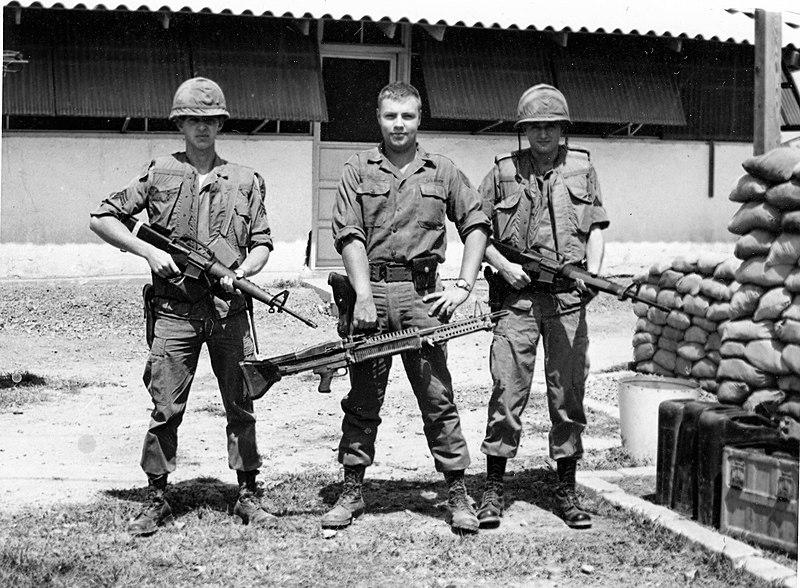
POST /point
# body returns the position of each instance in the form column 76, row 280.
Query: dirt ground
column 85, row 339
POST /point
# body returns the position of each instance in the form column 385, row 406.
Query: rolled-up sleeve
column 132, row 199
column 348, row 220
column 465, row 205
column 594, row 215
column 260, row 233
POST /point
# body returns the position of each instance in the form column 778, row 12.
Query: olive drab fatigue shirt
column 168, row 189
column 401, row 216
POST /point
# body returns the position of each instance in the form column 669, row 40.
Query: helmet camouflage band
column 542, row 103
column 198, row 97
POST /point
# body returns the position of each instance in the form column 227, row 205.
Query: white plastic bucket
column 639, row 397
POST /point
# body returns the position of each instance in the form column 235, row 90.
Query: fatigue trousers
column 566, row 366
column 168, row 376
column 400, row 306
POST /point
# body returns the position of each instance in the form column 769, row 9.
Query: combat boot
column 350, row 503
column 567, row 505
column 248, row 505
column 460, row 512
column 155, row 510
column 492, row 503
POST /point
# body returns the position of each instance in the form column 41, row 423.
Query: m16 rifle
column 195, row 260
column 329, row 358
column 545, row 270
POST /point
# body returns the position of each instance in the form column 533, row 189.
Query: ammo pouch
column 423, row 270
column 148, row 295
column 498, row 288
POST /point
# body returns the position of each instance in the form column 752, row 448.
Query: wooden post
column 767, row 99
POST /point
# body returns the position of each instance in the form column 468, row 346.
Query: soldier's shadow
column 429, row 498
column 188, row 495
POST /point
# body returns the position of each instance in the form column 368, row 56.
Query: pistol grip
column 325, row 379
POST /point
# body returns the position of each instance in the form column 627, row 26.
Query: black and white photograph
column 447, row 294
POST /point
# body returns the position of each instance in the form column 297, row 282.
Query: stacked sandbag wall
column 760, row 340
column 684, row 341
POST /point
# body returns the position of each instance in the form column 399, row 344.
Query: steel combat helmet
column 198, row 97
column 542, row 103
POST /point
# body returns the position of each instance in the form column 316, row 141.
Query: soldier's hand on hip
column 162, row 264
column 515, row 275
column 445, row 302
column 365, row 317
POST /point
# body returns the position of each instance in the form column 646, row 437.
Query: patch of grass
column 212, row 407
column 18, row 389
column 613, row 458
column 403, row 540
column 286, row 283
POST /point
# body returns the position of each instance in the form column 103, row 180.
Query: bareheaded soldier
column 389, row 225
column 220, row 204
column 545, row 199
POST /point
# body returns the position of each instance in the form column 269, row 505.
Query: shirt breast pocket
column 431, row 212
column 373, row 196
column 580, row 196
column 506, row 219
column 161, row 200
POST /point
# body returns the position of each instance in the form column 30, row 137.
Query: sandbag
column 646, row 326
column 679, row 320
column 741, row 370
column 747, row 330
column 732, row 348
column 718, row 312
column 790, row 222
column 714, row 290
column 683, row 367
column 714, row 342
column 689, row 284
column 755, row 271
column 726, row 271
column 695, row 305
column 792, row 281
column 751, row 244
column 764, row 401
column 774, row 166
column 765, row 354
column 651, row 367
column 656, row 316
column 667, row 344
column 665, row 359
column 695, row 334
column 685, row 264
column 772, row 304
column 793, row 310
column 644, row 352
column 714, row 356
column 785, row 249
column 732, row 392
column 705, row 324
column 639, row 338
column 789, row 383
column 788, row 330
column 745, row 300
column 790, row 409
column 748, row 188
column 709, row 385
column 670, row 299
column 640, row 308
column 784, row 196
column 704, row 368
column 648, row 293
column 659, row 268
column 691, row 351
column 707, row 262
column 670, row 333
column 640, row 278
column 791, row 357
column 755, row 215
column 669, row 278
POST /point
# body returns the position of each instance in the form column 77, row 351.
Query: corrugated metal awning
column 466, row 84
column 619, row 90
column 31, row 91
column 790, row 109
column 707, row 20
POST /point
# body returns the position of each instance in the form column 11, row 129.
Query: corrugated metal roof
column 790, row 109
column 465, row 84
column 31, row 91
column 614, row 90
column 708, row 20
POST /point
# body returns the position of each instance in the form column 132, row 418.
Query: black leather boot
column 155, row 510
column 492, row 503
column 569, row 509
column 248, row 505
column 350, row 503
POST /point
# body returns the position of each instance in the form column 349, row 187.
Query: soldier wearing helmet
column 545, row 198
column 220, row 204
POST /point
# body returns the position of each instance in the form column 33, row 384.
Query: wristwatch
column 463, row 284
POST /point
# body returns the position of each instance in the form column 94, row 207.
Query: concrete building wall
column 51, row 181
